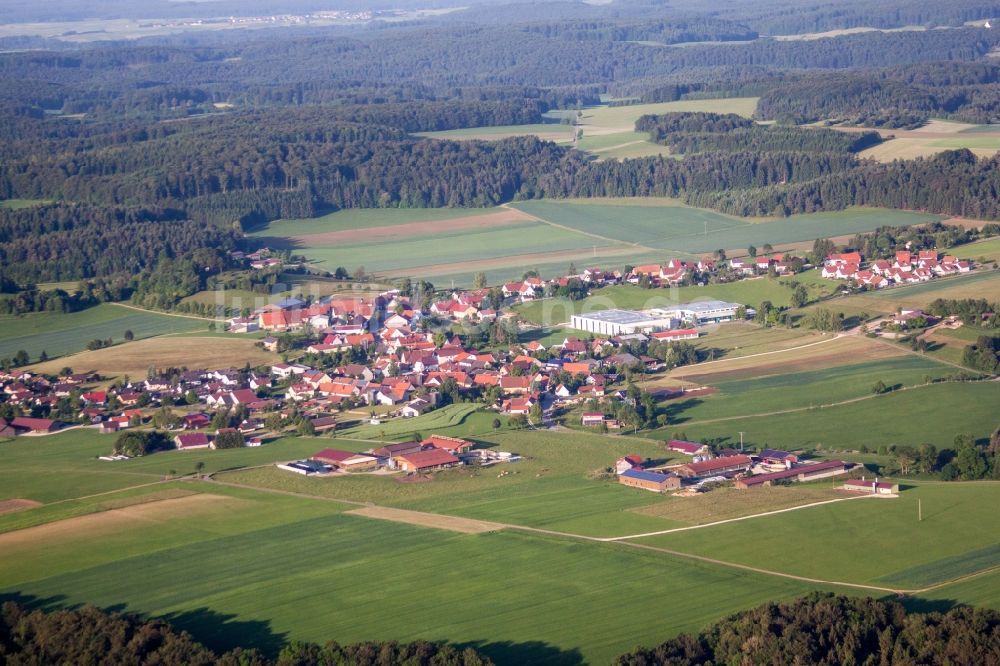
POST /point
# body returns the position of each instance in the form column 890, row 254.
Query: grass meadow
column 934, row 414
column 674, row 226
column 58, row 334
column 771, row 389
column 872, row 541
column 327, row 575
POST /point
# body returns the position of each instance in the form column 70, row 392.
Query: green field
column 774, row 390
column 58, row 334
column 871, row 541
column 668, row 225
column 987, row 249
column 326, row 575
column 430, row 249
column 933, row 414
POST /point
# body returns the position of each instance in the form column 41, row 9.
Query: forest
column 827, row 629
column 155, row 155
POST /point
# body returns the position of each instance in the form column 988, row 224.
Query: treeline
column 895, row 97
column 827, row 629
column 704, row 132
column 91, row 637
column 951, row 183
column 60, row 242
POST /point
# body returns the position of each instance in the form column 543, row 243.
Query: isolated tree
column 752, row 251
column 129, row 335
column 199, row 467
column 231, row 439
column 479, row 281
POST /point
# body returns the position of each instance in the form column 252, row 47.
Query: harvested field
column 134, row 358
column 965, row 222
column 846, row 350
column 402, row 231
column 136, row 500
column 12, row 505
column 421, row 519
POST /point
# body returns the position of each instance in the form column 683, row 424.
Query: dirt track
column 452, row 523
column 402, row 231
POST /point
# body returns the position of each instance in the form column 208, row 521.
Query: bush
column 231, row 439
column 135, row 443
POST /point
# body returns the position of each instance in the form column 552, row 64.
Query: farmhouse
column 192, row 440
column 393, row 450
column 806, row 472
column 775, row 457
column 425, row 461
column 345, row 460
column 715, row 466
column 25, row 423
column 592, row 418
column 620, row 322
column 654, row 481
column 452, row 445
column 687, row 448
column 875, row 487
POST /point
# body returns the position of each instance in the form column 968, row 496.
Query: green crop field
column 773, row 389
column 58, row 334
column 669, row 225
column 933, row 414
column 870, row 541
column 430, row 249
column 327, row 575
column 987, row 249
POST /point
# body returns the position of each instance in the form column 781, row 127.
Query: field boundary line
column 614, row 241
column 157, row 312
column 736, row 520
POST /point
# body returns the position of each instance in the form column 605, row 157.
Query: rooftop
column 619, row 316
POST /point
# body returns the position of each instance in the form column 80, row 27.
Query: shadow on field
column 531, row 652
column 222, row 632
column 676, row 408
column 918, row 605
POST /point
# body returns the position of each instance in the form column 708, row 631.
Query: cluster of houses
column 906, row 267
column 781, row 263
column 764, row 468
column 435, row 453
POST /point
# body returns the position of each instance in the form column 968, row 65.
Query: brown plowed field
column 453, row 523
column 12, row 505
column 403, row 231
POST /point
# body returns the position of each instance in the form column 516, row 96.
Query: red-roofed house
column 425, row 461
column 192, row 440
column 449, row 444
column 687, row 448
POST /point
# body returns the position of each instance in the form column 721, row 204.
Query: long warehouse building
column 620, row 322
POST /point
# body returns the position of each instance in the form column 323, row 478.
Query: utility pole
column 920, row 512
column 741, row 441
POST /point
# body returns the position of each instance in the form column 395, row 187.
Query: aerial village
column 396, row 358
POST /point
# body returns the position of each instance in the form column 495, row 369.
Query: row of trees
column 703, row 132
